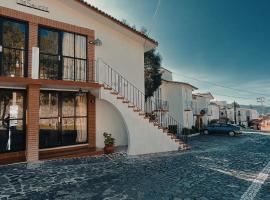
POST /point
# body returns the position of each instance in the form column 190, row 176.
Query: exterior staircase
column 143, row 118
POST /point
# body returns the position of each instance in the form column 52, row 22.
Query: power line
column 219, row 85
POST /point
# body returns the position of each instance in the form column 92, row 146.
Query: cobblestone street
column 217, row 167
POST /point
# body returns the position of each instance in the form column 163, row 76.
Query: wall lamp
column 96, row 42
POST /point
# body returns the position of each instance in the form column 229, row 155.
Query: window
column 12, row 121
column 63, row 119
column 63, row 55
column 13, row 39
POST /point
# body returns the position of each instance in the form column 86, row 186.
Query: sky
column 208, row 43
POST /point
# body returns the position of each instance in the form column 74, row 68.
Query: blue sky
column 222, row 41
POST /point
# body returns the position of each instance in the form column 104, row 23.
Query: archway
column 110, row 120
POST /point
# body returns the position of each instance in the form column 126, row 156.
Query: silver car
column 219, row 128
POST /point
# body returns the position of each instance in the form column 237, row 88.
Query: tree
column 152, row 75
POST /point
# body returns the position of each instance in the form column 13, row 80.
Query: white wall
column 121, row 49
column 143, row 137
column 214, row 112
column 179, row 97
column 108, row 119
column 166, row 75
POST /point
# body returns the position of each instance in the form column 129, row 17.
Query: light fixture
column 80, row 93
column 96, row 42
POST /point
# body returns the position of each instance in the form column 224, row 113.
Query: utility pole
column 261, row 100
column 234, row 109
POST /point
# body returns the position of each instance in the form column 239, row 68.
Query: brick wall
column 91, row 126
column 32, row 123
column 33, row 90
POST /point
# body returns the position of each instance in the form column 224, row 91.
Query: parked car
column 220, row 128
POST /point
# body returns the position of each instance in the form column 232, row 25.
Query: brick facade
column 33, row 86
column 91, row 123
column 34, row 21
column 32, row 123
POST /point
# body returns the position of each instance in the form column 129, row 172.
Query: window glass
column 12, row 133
column 70, row 57
column 80, row 70
column 81, row 128
column 68, row 44
column 13, row 62
column 14, row 34
column 48, row 41
column 48, row 133
column 81, row 105
column 48, row 105
column 48, row 67
column 68, row 105
column 68, row 71
column 80, row 42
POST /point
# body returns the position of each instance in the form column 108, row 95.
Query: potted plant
column 109, row 143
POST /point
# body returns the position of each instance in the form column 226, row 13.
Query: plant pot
column 108, row 149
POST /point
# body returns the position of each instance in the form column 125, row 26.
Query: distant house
column 241, row 115
column 201, row 108
column 214, row 111
column 178, row 97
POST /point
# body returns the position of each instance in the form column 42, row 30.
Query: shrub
column 109, row 140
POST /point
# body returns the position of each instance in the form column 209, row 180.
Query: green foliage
column 109, row 140
column 152, row 75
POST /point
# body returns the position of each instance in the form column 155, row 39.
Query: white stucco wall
column 121, row 49
column 214, row 112
column 179, row 97
column 108, row 119
column 143, row 137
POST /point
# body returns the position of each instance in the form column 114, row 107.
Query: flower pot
column 108, row 149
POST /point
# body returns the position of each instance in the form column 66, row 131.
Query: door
column 63, row 119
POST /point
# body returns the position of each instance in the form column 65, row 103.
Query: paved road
column 218, row 167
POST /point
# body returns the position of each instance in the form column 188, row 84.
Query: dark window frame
column 23, row 119
column 26, row 45
column 60, row 116
column 60, row 55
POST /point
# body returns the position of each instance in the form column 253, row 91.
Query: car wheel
column 206, row 132
column 231, row 133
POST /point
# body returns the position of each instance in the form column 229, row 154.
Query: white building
column 214, row 111
column 201, row 108
column 73, row 52
column 178, row 95
column 242, row 115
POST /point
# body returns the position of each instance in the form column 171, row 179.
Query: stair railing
column 130, row 94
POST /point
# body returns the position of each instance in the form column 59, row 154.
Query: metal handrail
column 113, row 80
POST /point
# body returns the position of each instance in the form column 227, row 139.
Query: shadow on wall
column 110, row 120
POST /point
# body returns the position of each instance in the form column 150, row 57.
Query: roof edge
column 113, row 19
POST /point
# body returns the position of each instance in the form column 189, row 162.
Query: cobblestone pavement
column 217, row 167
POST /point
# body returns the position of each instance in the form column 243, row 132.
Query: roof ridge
column 97, row 10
